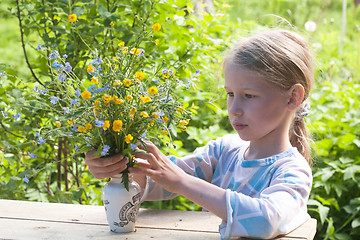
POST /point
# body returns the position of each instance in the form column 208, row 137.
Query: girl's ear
column 296, row 96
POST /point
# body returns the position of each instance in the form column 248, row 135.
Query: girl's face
column 257, row 109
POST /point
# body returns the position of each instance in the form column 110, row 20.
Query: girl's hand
column 160, row 168
column 103, row 167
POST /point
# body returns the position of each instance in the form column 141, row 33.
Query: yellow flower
column 90, row 68
column 88, row 126
column 121, row 44
column 128, row 138
column 135, row 51
column 112, row 23
column 106, row 98
column 117, row 125
column 153, row 90
column 118, row 101
column 125, row 50
column 133, row 111
column 155, row 114
column 183, row 129
column 96, row 103
column 94, row 80
column 58, row 124
column 129, row 97
column 144, row 114
column 156, row 27
column 145, row 99
column 117, row 83
column 180, row 109
column 139, row 75
column 152, row 122
column 106, row 125
column 71, row 122
column 164, row 132
column 116, row 59
column 86, row 94
column 166, row 119
column 72, row 18
column 127, row 82
column 184, row 122
column 156, row 41
column 81, row 129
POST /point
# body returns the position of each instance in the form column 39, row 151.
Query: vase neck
column 119, row 176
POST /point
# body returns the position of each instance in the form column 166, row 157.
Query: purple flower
column 38, row 47
column 197, row 71
column 76, row 148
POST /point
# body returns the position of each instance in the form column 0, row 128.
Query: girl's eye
column 230, row 94
column 249, row 96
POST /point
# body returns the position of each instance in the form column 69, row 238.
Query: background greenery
column 198, row 39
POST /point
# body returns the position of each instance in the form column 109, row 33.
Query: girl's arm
column 173, row 179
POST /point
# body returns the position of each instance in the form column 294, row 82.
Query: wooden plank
column 35, row 229
column 58, row 212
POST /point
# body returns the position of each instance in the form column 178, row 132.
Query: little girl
column 257, row 181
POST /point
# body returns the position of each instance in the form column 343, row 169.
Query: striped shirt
column 264, row 197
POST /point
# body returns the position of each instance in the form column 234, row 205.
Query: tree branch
column 23, row 43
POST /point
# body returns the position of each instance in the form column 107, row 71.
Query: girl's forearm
column 205, row 194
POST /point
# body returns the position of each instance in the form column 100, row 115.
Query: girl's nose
column 235, row 109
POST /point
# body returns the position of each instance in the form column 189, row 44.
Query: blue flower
column 105, row 150
column 65, row 56
column 92, row 87
column 133, row 146
column 76, row 148
column 99, row 90
column 77, row 93
column 37, row 134
column 66, row 110
column 197, row 71
column 41, row 141
column 99, row 123
column 2, row 74
column 142, row 52
column 187, row 86
column 74, row 102
column 54, row 55
column 56, row 65
column 32, row 155
column 36, row 88
column 38, row 47
column 26, row 180
column 67, row 67
column 144, row 134
column 4, row 114
column 156, row 81
column 54, row 99
column 17, row 116
column 74, row 128
column 62, row 77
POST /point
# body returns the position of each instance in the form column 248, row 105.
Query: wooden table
column 34, row 220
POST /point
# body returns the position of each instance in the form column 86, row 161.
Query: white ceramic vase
column 121, row 206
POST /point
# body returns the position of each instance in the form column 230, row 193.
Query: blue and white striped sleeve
column 280, row 208
column 201, row 164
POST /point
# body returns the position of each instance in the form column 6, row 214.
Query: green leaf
column 355, row 223
column 349, row 172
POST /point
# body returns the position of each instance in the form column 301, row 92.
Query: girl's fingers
column 108, row 171
column 89, row 155
column 106, row 161
column 149, row 157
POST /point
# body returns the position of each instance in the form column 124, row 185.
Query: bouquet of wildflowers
column 123, row 99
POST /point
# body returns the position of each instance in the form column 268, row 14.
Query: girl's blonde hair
column 284, row 58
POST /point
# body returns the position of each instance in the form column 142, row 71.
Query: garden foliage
column 198, row 40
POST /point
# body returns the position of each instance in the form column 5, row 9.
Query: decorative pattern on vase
column 121, row 206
